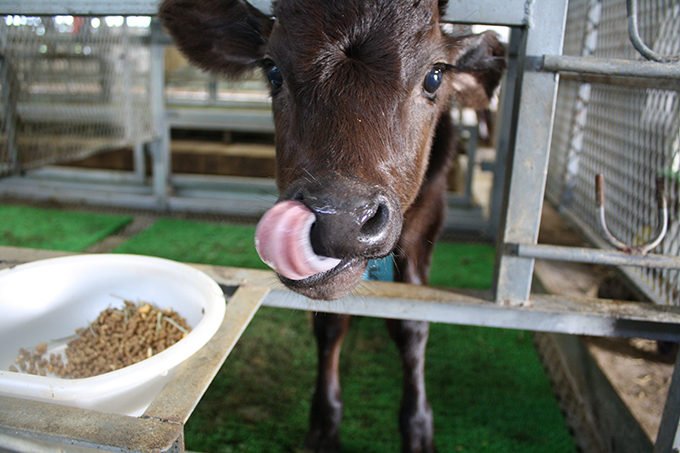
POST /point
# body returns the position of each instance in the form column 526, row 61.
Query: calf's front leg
column 413, row 256
column 326, row 412
column 415, row 415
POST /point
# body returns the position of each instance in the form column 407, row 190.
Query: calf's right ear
column 225, row 36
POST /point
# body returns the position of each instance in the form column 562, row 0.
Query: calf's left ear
column 478, row 65
column 226, row 36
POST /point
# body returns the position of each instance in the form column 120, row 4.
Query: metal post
column 543, row 34
column 160, row 148
column 503, row 133
column 668, row 438
column 8, row 99
column 128, row 118
column 139, row 162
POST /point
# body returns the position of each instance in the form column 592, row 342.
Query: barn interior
column 554, row 298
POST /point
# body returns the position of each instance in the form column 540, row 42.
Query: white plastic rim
column 49, row 299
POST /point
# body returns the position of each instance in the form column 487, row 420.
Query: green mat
column 487, row 387
column 462, row 265
column 55, row 229
column 197, row 242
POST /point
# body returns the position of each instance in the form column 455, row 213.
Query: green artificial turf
column 55, row 229
column 462, row 265
column 197, row 242
column 487, row 388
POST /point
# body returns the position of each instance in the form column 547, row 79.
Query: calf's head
column 357, row 89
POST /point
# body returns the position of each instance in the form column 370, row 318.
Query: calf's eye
column 274, row 76
column 433, row 80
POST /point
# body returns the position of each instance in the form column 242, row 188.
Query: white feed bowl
column 50, row 299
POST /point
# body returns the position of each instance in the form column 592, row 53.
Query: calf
column 361, row 92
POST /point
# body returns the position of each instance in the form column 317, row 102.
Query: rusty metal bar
column 662, row 219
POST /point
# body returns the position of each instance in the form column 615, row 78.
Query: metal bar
column 510, row 12
column 630, row 82
column 662, row 219
column 504, row 131
column 95, row 193
column 610, row 67
column 8, row 99
column 251, row 203
column 544, row 313
column 82, row 7
column 668, row 438
column 234, row 119
column 627, row 273
column 74, row 175
column 160, row 148
column 139, row 162
column 85, row 428
column 527, row 173
column 555, row 314
column 179, row 397
column 592, row 256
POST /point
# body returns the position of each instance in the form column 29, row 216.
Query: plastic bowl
column 48, row 300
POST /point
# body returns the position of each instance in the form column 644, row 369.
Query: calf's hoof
column 316, row 442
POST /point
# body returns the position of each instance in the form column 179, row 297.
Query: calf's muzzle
column 323, row 231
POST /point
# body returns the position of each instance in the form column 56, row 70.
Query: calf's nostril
column 374, row 225
column 298, row 196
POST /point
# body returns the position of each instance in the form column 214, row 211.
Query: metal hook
column 662, row 223
column 636, row 40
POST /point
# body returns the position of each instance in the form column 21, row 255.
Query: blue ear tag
column 381, row 269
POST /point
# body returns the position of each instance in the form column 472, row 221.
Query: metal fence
column 71, row 87
column 627, row 131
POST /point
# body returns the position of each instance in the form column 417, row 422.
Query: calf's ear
column 226, row 36
column 478, row 65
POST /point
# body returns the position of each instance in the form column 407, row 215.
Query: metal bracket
column 662, row 224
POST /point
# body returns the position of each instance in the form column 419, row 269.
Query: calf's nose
column 353, row 218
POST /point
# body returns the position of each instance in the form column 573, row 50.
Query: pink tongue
column 282, row 241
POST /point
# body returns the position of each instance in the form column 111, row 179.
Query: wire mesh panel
column 630, row 135
column 567, row 95
column 72, row 86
